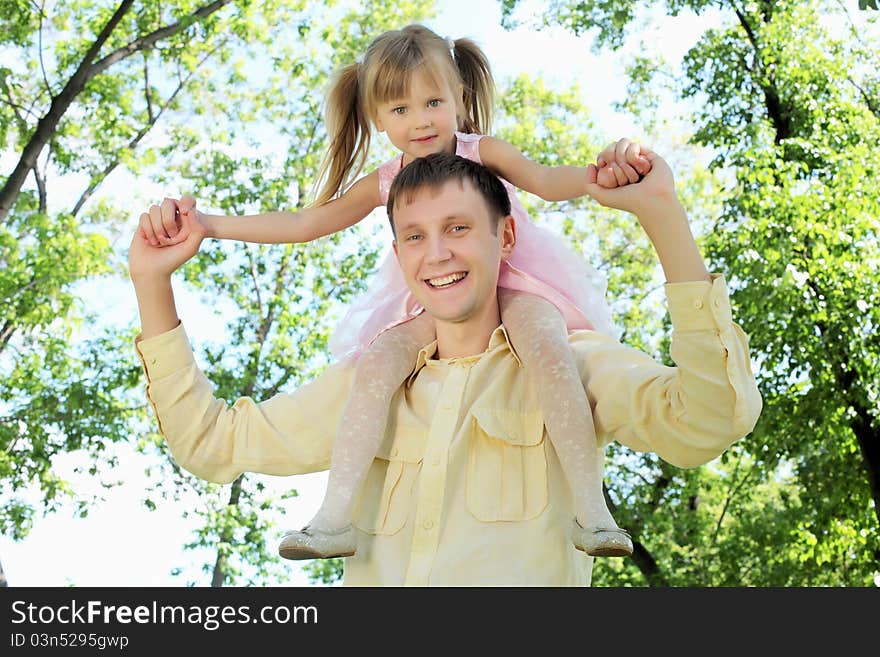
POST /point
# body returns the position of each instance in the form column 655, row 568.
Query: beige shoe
column 602, row 541
column 308, row 543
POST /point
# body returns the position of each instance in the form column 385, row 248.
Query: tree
column 790, row 105
column 87, row 86
column 76, row 100
column 281, row 298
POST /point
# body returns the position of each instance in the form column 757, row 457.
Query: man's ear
column 394, row 246
column 507, row 227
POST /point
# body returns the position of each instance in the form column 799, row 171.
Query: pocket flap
column 403, row 443
column 511, row 426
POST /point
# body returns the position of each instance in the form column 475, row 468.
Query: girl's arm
column 166, row 228
column 555, row 183
column 303, row 226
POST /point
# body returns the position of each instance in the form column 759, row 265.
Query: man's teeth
column 446, row 280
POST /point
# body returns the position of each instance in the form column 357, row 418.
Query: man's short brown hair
column 437, row 169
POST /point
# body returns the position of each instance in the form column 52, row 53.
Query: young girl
column 430, row 95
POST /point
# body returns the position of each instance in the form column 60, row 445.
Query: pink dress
column 541, row 264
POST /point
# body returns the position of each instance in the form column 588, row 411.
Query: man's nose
column 438, row 251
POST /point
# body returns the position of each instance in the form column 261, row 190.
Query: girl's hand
column 655, row 190
column 151, row 261
column 164, row 224
column 622, row 163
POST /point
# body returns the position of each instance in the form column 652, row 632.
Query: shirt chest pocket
column 385, row 498
column 507, row 466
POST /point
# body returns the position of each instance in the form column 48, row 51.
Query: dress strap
column 468, row 145
column 387, row 173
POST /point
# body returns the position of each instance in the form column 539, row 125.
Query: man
column 466, row 489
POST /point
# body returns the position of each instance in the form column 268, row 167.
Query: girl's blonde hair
column 358, row 89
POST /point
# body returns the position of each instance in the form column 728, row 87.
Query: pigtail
column 478, row 86
column 348, row 130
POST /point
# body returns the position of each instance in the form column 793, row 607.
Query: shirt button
column 717, row 303
column 153, row 361
column 395, row 452
column 446, row 406
column 428, row 524
column 698, row 304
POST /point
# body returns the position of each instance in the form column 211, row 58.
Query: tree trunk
column 869, row 442
column 647, row 565
column 226, row 537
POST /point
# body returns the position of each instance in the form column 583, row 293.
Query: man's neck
column 467, row 338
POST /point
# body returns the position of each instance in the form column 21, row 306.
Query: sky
column 120, row 542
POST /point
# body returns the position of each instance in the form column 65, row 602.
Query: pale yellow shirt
column 466, row 489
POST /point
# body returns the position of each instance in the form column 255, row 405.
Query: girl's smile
column 423, row 121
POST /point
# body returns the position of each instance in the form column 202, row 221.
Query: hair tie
column 451, row 45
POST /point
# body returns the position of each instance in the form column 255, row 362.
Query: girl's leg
column 380, row 371
column 538, row 333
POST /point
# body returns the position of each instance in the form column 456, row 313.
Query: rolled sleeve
column 699, row 305
column 690, row 413
column 287, row 434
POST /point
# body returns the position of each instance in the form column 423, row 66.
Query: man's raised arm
column 691, row 413
column 150, row 268
column 288, row 434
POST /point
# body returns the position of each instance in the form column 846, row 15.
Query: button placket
column 432, row 481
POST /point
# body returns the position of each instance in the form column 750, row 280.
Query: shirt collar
column 499, row 338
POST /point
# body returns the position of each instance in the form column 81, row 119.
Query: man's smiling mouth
column 446, row 281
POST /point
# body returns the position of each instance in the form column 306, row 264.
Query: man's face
column 448, row 252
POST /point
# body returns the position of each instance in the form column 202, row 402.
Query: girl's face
column 422, row 122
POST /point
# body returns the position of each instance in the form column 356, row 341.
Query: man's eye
column 459, row 228
column 399, row 110
column 413, row 238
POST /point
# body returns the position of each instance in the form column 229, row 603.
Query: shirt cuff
column 699, row 305
column 165, row 353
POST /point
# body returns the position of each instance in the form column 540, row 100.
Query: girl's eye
column 434, row 102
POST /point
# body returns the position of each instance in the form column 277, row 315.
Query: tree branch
column 85, row 72
column 776, row 112
column 268, row 320
column 868, row 100
column 16, row 107
column 151, row 121
column 41, row 9
column 41, row 188
column 60, row 104
column 736, row 488
column 6, row 333
column 147, row 91
column 153, row 37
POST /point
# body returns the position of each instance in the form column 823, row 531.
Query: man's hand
column 163, row 225
column 659, row 211
column 623, row 157
column 149, row 260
